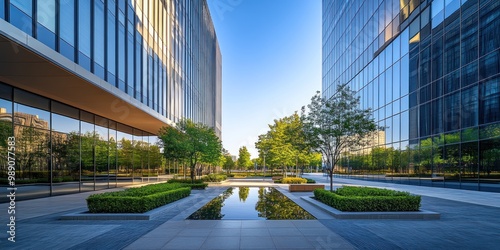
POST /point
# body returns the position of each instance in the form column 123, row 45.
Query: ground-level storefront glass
column 60, row 149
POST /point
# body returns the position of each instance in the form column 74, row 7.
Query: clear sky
column 271, row 63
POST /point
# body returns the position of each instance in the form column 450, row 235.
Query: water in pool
column 251, row 203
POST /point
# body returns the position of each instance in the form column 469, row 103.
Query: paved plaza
column 469, row 220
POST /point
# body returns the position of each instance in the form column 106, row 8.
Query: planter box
column 304, row 187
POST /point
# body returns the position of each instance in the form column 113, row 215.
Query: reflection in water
column 273, row 205
column 213, row 209
column 251, row 204
column 243, row 193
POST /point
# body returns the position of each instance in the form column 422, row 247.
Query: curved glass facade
column 430, row 71
column 95, row 80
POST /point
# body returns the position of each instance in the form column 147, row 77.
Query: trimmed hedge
column 293, row 180
column 197, row 184
column 374, row 201
column 102, row 203
column 214, row 178
column 188, row 181
column 310, row 180
column 368, row 191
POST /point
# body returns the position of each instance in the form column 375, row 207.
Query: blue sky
column 271, row 63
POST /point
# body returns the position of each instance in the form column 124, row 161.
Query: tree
column 244, row 158
column 335, row 125
column 229, row 163
column 284, row 144
column 192, row 142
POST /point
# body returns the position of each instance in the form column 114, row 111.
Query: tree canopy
column 244, row 158
column 284, row 144
column 336, row 125
column 192, row 142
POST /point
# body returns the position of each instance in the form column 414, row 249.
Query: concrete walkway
column 469, row 220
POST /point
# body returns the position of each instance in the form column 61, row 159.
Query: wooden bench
column 304, row 187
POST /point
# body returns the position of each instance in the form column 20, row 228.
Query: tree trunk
column 330, row 173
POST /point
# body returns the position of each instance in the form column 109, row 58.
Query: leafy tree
column 229, row 163
column 191, row 142
column 244, row 158
column 284, row 144
column 336, row 125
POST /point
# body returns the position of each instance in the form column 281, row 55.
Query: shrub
column 184, row 181
column 310, row 180
column 278, row 181
column 365, row 200
column 230, row 175
column 214, row 178
column 101, row 203
column 293, row 180
column 368, row 191
column 195, row 185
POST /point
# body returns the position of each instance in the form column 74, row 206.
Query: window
column 84, row 34
column 46, row 14
column 470, row 107
column 111, row 47
column 490, row 101
column 469, row 74
column 452, row 112
column 121, row 54
column 469, row 40
column 437, row 116
column 20, row 15
column 452, row 50
column 99, row 37
column 425, row 119
column 489, row 28
column 67, row 29
column 84, row 27
column 46, row 22
column 2, row 9
column 489, row 65
column 437, row 58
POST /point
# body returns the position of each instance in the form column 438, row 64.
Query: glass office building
column 430, row 71
column 85, row 85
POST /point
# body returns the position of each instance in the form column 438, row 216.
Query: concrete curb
column 418, row 215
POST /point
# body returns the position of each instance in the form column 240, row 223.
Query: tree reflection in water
column 243, row 193
column 212, row 210
column 271, row 205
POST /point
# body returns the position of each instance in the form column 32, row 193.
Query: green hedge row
column 293, row 180
column 368, row 191
column 188, row 181
column 195, row 185
column 214, row 177
column 99, row 203
column 310, row 180
column 368, row 203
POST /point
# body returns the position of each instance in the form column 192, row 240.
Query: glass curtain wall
column 441, row 59
column 62, row 150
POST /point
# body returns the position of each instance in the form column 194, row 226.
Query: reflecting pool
column 251, row 203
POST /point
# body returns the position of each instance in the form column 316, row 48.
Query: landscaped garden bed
column 195, row 184
column 137, row 200
column 214, row 178
column 367, row 199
